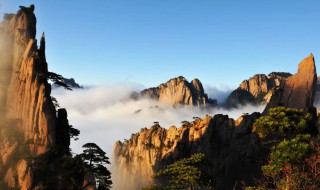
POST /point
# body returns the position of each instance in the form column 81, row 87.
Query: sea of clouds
column 105, row 114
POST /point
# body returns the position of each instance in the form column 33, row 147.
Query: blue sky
column 151, row 41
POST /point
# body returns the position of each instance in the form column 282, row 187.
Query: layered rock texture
column 178, row 91
column 258, row 89
column 34, row 139
column 236, row 152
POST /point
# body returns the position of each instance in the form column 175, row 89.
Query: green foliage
column 286, row 154
column 185, row 173
column 288, row 127
column 281, row 121
column 96, row 159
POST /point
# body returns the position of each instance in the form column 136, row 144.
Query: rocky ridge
column 236, row 152
column 34, row 135
column 178, row 91
column 226, row 141
column 257, row 89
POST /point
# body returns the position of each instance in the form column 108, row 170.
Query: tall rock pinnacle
column 298, row 91
column 34, row 139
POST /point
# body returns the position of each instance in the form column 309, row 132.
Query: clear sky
column 151, row 41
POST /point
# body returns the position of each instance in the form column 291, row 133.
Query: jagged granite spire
column 34, row 140
column 298, row 91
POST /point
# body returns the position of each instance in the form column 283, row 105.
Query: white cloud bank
column 104, row 114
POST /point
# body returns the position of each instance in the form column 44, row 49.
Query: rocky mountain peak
column 256, row 90
column 178, row 91
column 34, row 136
column 307, row 65
column 298, row 91
column 197, row 85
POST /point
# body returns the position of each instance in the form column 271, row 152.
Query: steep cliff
column 178, row 91
column 236, row 152
column 257, row 89
column 34, row 136
column 230, row 144
column 298, row 91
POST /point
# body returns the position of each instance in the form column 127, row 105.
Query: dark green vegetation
column 95, row 158
column 281, row 74
column 187, row 173
column 281, row 121
column 293, row 161
column 57, row 79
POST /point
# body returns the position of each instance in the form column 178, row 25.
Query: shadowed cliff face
column 178, row 91
column 32, row 133
column 317, row 96
column 236, row 152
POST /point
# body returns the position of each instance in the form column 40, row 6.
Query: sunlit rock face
column 31, row 130
column 256, row 90
column 178, row 91
column 298, row 91
column 26, row 97
column 235, row 151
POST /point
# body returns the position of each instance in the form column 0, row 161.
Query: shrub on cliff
column 284, row 132
column 187, row 173
column 96, row 160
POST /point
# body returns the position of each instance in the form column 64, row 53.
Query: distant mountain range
column 256, row 90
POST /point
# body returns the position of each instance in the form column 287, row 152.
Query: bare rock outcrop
column 34, row 140
column 256, row 90
column 234, row 150
column 178, row 91
column 298, row 91
column 256, row 85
